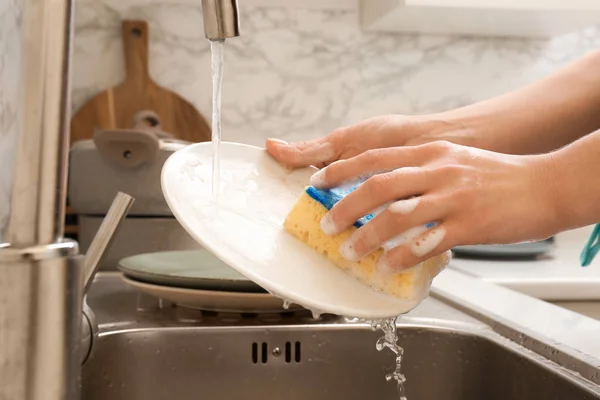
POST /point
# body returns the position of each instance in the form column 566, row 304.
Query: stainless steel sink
column 151, row 350
column 327, row 362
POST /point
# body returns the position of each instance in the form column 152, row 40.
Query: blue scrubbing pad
column 329, row 197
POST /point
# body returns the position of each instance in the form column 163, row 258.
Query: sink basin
column 319, row 363
column 167, row 352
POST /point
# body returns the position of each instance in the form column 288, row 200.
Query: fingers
column 376, row 192
column 431, row 243
column 318, row 152
column 401, row 222
column 371, row 162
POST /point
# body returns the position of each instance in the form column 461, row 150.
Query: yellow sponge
column 303, row 221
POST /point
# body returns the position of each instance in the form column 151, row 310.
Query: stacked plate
column 517, row 250
column 197, row 279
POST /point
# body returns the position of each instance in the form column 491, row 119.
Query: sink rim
column 544, row 335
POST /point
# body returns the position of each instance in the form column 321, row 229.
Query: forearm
column 538, row 118
column 576, row 188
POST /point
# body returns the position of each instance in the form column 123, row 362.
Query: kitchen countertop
column 555, row 276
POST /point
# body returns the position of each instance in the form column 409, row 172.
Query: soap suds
column 428, row 242
column 384, row 267
column 328, row 225
column 405, row 237
column 347, row 250
column 318, row 178
column 404, row 207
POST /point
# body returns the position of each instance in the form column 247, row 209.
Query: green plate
column 192, row 269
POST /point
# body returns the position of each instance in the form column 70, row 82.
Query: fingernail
column 328, row 225
column 318, row 178
column 278, row 141
column 383, row 265
column 347, row 250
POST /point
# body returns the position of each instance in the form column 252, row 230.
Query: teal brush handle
column 591, row 247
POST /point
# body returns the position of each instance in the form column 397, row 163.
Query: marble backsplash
column 298, row 73
column 293, row 74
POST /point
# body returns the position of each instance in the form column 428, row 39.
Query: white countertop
column 554, row 276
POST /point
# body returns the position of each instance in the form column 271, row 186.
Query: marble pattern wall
column 298, row 73
column 10, row 66
column 294, row 73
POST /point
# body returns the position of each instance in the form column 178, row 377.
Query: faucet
column 221, row 19
column 44, row 322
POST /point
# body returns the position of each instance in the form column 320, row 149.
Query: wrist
column 444, row 127
column 574, row 189
column 551, row 199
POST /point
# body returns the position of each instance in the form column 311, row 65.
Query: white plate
column 210, row 300
column 255, row 195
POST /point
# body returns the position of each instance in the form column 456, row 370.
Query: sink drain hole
column 264, row 353
column 288, row 352
column 254, row 353
column 297, row 352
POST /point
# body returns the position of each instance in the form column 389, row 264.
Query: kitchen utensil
column 245, row 229
column 116, row 107
column 211, row 300
column 192, row 269
column 104, row 237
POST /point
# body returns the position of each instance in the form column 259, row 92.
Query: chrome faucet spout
column 221, row 20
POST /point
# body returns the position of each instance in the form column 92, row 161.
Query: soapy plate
column 245, row 230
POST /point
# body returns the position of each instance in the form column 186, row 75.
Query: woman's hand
column 374, row 133
column 473, row 196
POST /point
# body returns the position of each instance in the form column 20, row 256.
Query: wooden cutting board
column 115, row 108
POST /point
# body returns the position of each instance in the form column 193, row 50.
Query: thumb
column 318, row 152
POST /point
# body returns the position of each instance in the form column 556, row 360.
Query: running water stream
column 390, row 340
column 216, row 51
